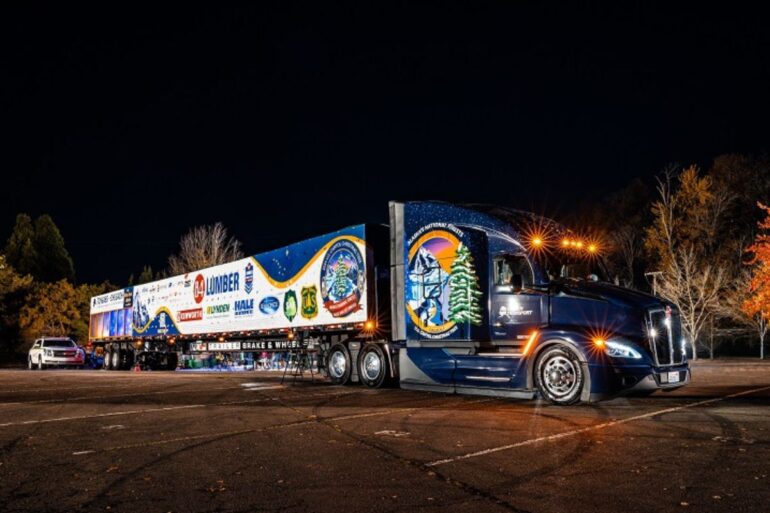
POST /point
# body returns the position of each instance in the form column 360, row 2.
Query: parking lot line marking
column 151, row 410
column 111, row 396
column 272, row 428
column 596, row 427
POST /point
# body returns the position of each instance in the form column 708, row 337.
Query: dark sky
column 129, row 126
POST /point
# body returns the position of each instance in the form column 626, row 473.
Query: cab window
column 506, row 266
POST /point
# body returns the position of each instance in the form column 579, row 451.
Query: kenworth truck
column 469, row 299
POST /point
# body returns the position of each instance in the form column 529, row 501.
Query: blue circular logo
column 343, row 274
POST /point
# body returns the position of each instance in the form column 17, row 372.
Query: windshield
column 559, row 266
column 58, row 343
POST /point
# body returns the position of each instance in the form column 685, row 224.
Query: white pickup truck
column 52, row 351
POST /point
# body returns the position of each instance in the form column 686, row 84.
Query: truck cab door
column 518, row 308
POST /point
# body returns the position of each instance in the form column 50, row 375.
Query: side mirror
column 517, row 283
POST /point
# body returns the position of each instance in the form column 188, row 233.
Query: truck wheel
column 107, row 359
column 559, row 375
column 29, row 363
column 372, row 366
column 116, row 360
column 40, row 365
column 338, row 364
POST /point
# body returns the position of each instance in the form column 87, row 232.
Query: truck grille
column 664, row 332
column 64, row 354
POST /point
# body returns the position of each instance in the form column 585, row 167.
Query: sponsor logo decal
column 290, row 305
column 269, row 305
column 248, row 280
column 309, row 302
column 195, row 314
column 199, row 288
column 342, row 278
column 222, row 284
column 244, row 307
column 218, row 310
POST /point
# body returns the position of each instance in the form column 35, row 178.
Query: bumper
column 61, row 360
column 613, row 381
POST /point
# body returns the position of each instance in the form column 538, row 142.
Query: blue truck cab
column 493, row 301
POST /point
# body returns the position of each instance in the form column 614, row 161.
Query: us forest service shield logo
column 309, row 302
column 290, row 305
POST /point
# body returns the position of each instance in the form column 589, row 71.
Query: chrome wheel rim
column 372, row 366
column 559, row 376
column 337, row 364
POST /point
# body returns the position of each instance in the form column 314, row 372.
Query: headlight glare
column 618, row 350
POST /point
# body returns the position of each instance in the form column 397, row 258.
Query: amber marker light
column 291, row 335
column 369, row 325
column 528, row 345
column 599, row 342
column 592, row 248
column 565, row 243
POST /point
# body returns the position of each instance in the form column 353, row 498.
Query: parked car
column 53, row 351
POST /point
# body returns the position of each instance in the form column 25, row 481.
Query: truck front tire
column 559, row 375
column 338, row 364
column 372, row 366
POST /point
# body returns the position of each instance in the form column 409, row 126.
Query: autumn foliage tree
column 757, row 305
column 52, row 310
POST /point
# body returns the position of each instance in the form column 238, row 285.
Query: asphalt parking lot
column 165, row 441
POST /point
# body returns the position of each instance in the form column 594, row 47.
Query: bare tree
column 628, row 245
column 682, row 238
column 204, row 246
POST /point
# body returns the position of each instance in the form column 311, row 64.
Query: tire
column 372, row 366
column 40, row 365
column 559, row 375
column 30, row 366
column 338, row 364
column 107, row 359
column 116, row 360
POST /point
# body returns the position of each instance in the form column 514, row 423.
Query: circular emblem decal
column 199, row 288
column 342, row 278
column 427, row 282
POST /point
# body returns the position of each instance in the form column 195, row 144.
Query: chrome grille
column 664, row 332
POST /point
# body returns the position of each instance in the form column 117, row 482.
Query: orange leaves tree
column 757, row 304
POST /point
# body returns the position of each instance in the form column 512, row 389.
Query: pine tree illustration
column 464, row 292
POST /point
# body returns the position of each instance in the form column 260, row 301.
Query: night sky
column 129, row 126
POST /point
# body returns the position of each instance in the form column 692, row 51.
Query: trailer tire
column 116, row 359
column 559, row 375
column 372, row 366
column 338, row 364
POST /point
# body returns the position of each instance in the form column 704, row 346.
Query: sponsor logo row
column 246, row 345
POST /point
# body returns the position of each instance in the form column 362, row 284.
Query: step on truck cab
column 467, row 299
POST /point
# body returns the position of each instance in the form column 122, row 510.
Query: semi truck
column 467, row 299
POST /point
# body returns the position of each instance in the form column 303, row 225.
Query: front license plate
column 673, row 377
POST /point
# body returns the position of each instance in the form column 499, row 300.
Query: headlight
column 48, row 352
column 618, row 350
